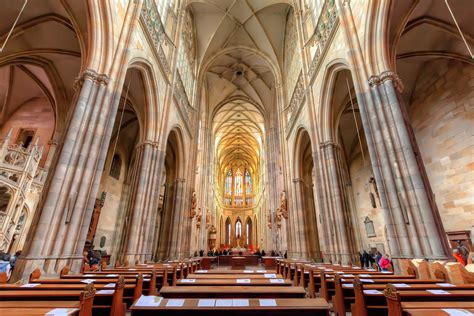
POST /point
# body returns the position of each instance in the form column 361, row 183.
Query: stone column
column 416, row 215
column 300, row 250
column 143, row 202
column 58, row 238
column 178, row 219
column 340, row 240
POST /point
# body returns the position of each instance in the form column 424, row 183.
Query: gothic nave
column 161, row 130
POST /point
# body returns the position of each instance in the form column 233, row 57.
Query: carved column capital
column 328, row 144
column 385, row 76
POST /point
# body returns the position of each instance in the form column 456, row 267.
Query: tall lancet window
column 238, row 183
column 228, row 183
column 238, row 228
column 248, row 182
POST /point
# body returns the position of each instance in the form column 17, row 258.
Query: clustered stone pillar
column 143, row 202
column 177, row 248
column 299, row 249
column 412, row 222
column 339, row 241
column 60, row 233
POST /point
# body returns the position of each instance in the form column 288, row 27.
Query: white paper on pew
column 365, row 275
column 267, row 302
column 110, row 285
column 306, row 272
column 111, row 275
column 30, row 285
column 343, row 280
column 201, row 271
column 89, row 275
column 372, row 292
column 348, row 275
column 348, row 285
column 61, row 311
column 146, row 280
column 188, row 280
column 371, row 269
column 438, row 292
column 223, row 303
column 356, row 268
column 338, row 272
column 277, row 281
column 445, row 284
column 457, row 312
column 206, row 303
column 386, row 272
column 367, row 280
column 87, row 281
column 132, row 269
column 240, row 302
column 261, row 271
column 400, row 285
column 242, row 280
column 105, row 292
column 149, row 266
column 270, row 275
column 329, row 269
column 175, row 302
column 150, row 300
column 248, row 271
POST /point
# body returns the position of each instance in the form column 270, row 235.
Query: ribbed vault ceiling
column 238, row 127
column 239, row 47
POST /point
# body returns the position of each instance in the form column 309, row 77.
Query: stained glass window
column 248, row 182
column 228, row 183
column 238, row 228
column 238, row 183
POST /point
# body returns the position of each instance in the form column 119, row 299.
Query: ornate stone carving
column 152, row 21
column 296, row 101
column 198, row 218
column 283, row 205
column 193, row 205
column 208, row 218
column 322, row 35
column 387, row 76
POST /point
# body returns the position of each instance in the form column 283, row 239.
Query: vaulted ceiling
column 239, row 52
column 238, row 127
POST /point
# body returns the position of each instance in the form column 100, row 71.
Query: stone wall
column 442, row 113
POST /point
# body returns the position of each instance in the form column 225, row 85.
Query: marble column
column 58, row 236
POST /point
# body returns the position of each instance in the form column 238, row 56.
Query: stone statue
column 198, row 219
column 208, row 218
column 279, row 215
column 269, row 219
column 193, row 205
column 283, row 205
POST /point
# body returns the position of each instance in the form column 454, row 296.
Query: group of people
column 368, row 260
column 93, row 258
column 7, row 262
column 461, row 253
column 225, row 252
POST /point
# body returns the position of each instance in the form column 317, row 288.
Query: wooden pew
column 231, row 276
column 284, row 307
column 83, row 306
column 370, row 301
column 232, row 292
column 458, row 299
column 344, row 292
column 106, row 301
column 233, row 282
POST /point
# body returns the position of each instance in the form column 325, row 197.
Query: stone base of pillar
column 133, row 258
column 49, row 267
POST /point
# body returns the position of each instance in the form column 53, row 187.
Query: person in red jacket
column 458, row 256
column 384, row 262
